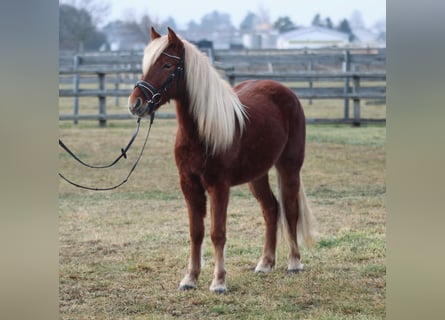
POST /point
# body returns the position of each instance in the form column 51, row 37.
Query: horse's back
column 269, row 98
column 268, row 94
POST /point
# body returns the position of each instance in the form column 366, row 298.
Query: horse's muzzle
column 139, row 108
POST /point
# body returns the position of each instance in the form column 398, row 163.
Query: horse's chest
column 189, row 158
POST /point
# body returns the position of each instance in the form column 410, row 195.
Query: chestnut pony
column 227, row 137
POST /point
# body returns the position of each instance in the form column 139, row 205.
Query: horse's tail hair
column 306, row 224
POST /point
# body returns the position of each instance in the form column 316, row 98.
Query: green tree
column 316, row 21
column 216, row 21
column 77, row 31
column 284, row 24
column 249, row 22
column 328, row 23
column 192, row 25
column 346, row 28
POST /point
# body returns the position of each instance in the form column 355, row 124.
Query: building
column 123, row 36
column 221, row 39
column 368, row 38
column 312, row 37
column 260, row 39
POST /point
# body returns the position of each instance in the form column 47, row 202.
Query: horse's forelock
column 152, row 52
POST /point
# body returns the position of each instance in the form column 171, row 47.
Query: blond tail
column 306, row 224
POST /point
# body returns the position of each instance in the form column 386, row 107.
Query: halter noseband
column 152, row 95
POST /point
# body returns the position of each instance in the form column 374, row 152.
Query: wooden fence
column 344, row 84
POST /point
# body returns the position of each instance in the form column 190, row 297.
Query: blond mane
column 215, row 106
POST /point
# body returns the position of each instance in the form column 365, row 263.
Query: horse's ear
column 172, row 37
column 154, row 34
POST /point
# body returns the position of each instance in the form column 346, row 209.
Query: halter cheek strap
column 152, row 95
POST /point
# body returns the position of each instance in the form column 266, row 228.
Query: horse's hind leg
column 261, row 190
column 288, row 185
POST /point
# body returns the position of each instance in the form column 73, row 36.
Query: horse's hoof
column 219, row 290
column 188, row 283
column 297, row 269
column 265, row 265
column 294, row 271
column 185, row 287
column 218, row 287
column 294, row 266
column 263, row 269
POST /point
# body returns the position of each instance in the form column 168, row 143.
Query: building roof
column 312, row 37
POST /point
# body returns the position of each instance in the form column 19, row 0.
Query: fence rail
column 366, row 81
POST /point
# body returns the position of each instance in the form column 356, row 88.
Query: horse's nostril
column 138, row 103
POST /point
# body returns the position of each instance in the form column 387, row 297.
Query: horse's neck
column 186, row 123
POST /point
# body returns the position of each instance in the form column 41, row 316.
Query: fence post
column 116, row 87
column 346, row 68
column 76, row 81
column 231, row 79
column 356, row 99
column 102, row 101
column 311, row 84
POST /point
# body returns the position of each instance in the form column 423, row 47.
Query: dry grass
column 123, row 253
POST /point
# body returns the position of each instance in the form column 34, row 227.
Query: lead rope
column 152, row 116
column 123, row 151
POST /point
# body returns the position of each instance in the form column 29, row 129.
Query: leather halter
column 153, row 96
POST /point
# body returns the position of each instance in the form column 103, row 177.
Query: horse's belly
column 256, row 163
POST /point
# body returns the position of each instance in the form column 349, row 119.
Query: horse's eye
column 167, row 66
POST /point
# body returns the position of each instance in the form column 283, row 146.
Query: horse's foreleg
column 194, row 195
column 219, row 198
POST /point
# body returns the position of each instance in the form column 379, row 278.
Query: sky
column 301, row 12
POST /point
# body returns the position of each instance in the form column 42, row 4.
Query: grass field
column 123, row 252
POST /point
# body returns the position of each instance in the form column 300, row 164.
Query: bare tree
column 263, row 16
column 98, row 9
column 76, row 29
column 356, row 20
